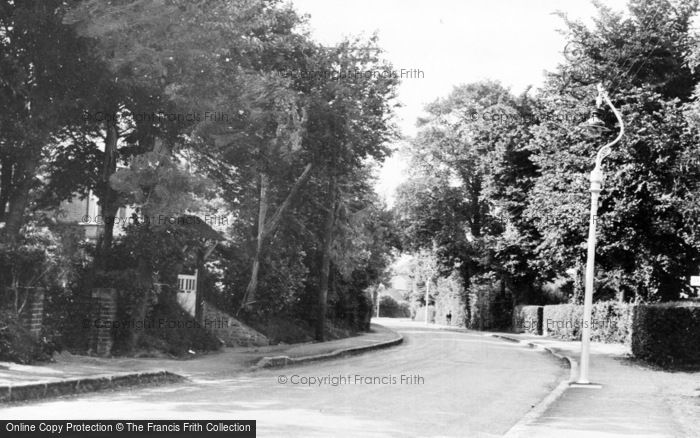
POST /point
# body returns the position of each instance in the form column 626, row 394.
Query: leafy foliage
column 641, row 255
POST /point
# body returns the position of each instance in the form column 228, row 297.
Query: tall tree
column 213, row 67
column 43, row 63
column 641, row 254
column 471, row 171
column 349, row 122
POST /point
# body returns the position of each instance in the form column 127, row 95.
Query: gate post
column 105, row 304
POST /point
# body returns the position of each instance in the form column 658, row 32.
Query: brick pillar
column 33, row 312
column 105, row 311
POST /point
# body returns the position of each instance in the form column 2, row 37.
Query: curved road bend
column 454, row 385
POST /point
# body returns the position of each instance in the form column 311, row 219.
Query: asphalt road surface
column 436, row 384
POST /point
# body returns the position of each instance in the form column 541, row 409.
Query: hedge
column 420, row 314
column 667, row 334
column 562, row 321
column 490, row 304
column 610, row 322
column 390, row 308
column 528, row 319
column 451, row 298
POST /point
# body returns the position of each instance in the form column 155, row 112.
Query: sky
column 452, row 42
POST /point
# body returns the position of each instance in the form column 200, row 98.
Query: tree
column 42, row 89
column 349, row 122
column 221, row 73
column 164, row 192
column 640, row 253
column 471, row 175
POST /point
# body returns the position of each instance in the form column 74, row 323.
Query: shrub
column 390, row 308
column 451, row 298
column 364, row 311
column 667, row 334
column 168, row 329
column 60, row 319
column 528, row 319
column 420, row 314
column 17, row 344
column 283, row 329
column 562, row 321
column 350, row 307
column 490, row 304
column 612, row 322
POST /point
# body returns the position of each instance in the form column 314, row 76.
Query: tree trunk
column 5, row 185
column 579, row 284
column 271, row 225
column 108, row 197
column 249, row 296
column 476, row 207
column 326, row 261
column 199, row 290
column 265, row 227
column 20, row 197
column 144, row 283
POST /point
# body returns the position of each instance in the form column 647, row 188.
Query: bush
column 420, row 314
column 451, row 298
column 17, row 344
column 390, row 308
column 562, row 321
column 60, row 320
column 490, row 303
column 364, row 311
column 282, row 329
column 168, row 329
column 610, row 321
column 667, row 334
column 528, row 319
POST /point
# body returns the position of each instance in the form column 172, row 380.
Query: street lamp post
column 427, row 298
column 597, row 178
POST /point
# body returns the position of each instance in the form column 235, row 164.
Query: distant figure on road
column 449, row 318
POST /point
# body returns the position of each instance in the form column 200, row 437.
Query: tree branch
column 271, row 224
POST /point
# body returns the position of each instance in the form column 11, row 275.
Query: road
column 436, row 384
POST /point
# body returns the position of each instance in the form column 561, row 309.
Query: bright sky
column 452, row 42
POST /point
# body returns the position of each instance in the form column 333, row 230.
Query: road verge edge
column 283, row 361
column 519, row 429
column 80, row 385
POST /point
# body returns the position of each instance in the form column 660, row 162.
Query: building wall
column 87, row 213
column 82, row 212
